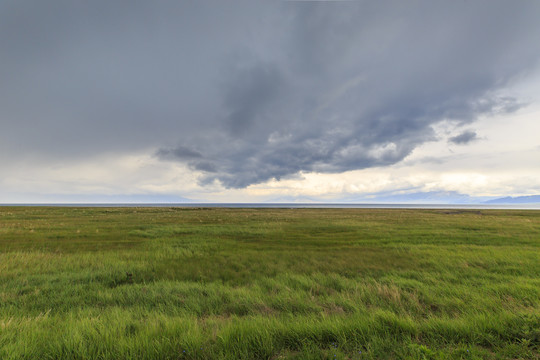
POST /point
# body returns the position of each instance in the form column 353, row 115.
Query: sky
column 274, row 101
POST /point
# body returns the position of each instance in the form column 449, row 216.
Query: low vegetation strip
column 217, row 283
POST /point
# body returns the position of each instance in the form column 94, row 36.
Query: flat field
column 217, row 283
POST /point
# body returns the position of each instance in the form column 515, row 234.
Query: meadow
column 218, row 283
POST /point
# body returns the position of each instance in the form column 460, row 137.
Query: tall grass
column 182, row 283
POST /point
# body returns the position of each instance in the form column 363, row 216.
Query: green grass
column 185, row 283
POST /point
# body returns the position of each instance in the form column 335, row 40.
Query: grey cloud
column 180, row 152
column 464, row 138
column 206, row 166
column 258, row 90
column 249, row 96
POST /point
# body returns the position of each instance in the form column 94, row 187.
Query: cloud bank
column 249, row 92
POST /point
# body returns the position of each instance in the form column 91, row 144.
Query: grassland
column 184, row 283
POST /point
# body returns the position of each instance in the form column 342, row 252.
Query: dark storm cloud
column 464, row 138
column 251, row 91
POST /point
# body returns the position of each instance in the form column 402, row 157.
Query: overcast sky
column 268, row 101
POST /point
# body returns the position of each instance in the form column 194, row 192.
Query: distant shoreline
column 531, row 206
